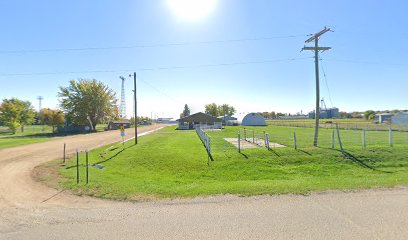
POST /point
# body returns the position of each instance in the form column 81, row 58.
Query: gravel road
column 30, row 210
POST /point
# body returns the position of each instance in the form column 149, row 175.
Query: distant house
column 165, row 120
column 400, row 119
column 229, row 120
column 199, row 120
column 253, row 119
column 383, row 117
column 114, row 125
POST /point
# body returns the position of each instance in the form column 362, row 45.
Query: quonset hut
column 253, row 119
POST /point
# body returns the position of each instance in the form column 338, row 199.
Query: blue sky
column 366, row 69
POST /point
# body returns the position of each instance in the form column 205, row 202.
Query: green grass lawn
column 31, row 134
column 172, row 163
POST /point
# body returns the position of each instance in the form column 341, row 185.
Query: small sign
column 122, row 131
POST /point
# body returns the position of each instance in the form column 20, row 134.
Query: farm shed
column 229, row 120
column 114, row 125
column 253, row 119
column 400, row 119
column 199, row 120
column 384, row 117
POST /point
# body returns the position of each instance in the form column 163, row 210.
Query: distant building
column 199, row 120
column 383, row 117
column 229, row 120
column 165, row 120
column 253, row 119
column 114, row 125
column 328, row 113
column 400, row 119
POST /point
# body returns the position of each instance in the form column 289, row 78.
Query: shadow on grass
column 274, row 152
column 244, row 155
column 360, row 162
column 105, row 160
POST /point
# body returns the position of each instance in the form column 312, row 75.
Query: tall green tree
column 16, row 113
column 88, row 102
column 226, row 109
column 186, row 112
column 211, row 109
column 53, row 118
column 369, row 114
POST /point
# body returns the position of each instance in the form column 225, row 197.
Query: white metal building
column 253, row 119
column 400, row 119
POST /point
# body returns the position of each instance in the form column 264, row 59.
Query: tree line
column 82, row 103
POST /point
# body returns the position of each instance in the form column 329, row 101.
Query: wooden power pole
column 135, row 101
column 316, row 49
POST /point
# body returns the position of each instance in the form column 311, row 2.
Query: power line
column 159, row 91
column 365, row 62
column 325, row 80
column 153, row 69
column 146, row 46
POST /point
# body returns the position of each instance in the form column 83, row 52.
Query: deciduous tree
column 87, row 102
column 16, row 113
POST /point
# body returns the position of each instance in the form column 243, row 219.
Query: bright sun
column 192, row 10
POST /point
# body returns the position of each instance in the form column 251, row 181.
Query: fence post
column 245, row 134
column 87, row 171
column 77, row 166
column 253, row 136
column 391, row 139
column 333, row 139
column 294, row 137
column 341, row 145
column 239, row 142
column 364, row 139
column 65, row 153
column 267, row 140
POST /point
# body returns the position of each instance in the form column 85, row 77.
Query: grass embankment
column 171, row 163
column 31, row 134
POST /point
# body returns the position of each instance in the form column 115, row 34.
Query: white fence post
column 239, row 142
column 391, row 139
column 294, row 137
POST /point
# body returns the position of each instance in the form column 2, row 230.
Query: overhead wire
column 22, row 51
column 153, row 69
column 325, row 80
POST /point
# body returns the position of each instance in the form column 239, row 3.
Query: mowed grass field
column 171, row 164
column 31, row 134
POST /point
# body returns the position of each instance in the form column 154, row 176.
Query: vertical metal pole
column 64, row 157
column 253, row 136
column 267, row 141
column 77, row 166
column 135, row 96
column 390, row 137
column 87, row 171
column 333, row 139
column 317, row 113
column 294, row 137
column 239, row 142
column 364, row 139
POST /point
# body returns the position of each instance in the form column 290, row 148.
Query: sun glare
column 192, row 10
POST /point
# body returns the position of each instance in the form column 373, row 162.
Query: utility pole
column 39, row 98
column 135, row 101
column 315, row 37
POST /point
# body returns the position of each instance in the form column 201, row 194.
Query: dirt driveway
column 30, row 210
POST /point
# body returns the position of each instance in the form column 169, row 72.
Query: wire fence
column 290, row 140
column 346, row 125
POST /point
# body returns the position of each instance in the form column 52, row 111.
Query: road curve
column 30, row 210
